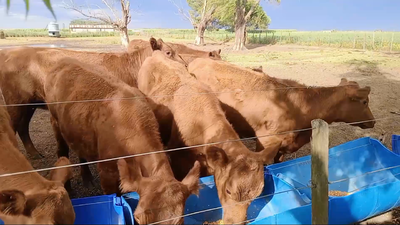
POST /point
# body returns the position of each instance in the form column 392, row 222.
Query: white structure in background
column 54, row 29
column 91, row 28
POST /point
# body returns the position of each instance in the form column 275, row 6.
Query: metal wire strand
column 160, row 96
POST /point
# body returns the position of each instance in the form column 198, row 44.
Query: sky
column 289, row 14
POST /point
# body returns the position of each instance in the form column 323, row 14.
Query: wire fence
column 202, row 145
column 170, row 95
column 181, row 148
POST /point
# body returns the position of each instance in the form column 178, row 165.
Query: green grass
column 367, row 40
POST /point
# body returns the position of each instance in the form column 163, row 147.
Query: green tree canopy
column 226, row 15
column 196, row 7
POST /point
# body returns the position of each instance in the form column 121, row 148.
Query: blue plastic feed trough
column 363, row 168
column 351, row 170
column 105, row 209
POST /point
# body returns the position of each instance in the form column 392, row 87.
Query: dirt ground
column 308, row 65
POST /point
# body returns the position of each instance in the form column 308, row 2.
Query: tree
column 119, row 22
column 200, row 15
column 226, row 16
column 247, row 12
column 254, row 17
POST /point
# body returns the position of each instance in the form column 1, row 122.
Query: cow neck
column 234, row 148
column 229, row 138
column 135, row 60
column 156, row 165
column 321, row 103
column 13, row 162
column 186, row 50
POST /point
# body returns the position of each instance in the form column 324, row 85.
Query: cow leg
column 17, row 115
column 109, row 177
column 175, row 140
column 86, row 174
column 270, row 145
column 279, row 157
column 62, row 146
column 23, row 132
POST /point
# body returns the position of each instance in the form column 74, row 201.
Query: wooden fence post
column 319, row 171
column 365, row 40
column 373, row 40
column 391, row 42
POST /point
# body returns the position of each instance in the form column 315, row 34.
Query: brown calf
column 197, row 118
column 188, row 54
column 108, row 129
column 30, row 198
column 260, row 105
column 23, row 71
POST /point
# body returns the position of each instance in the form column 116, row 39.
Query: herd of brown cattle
column 156, row 95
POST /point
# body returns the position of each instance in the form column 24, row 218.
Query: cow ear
column 191, row 181
column 130, row 176
column 216, row 158
column 343, row 81
column 363, row 93
column 160, row 43
column 153, row 44
column 12, row 202
column 258, row 69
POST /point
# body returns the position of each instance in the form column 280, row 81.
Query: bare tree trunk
column 201, row 28
column 240, row 37
column 124, row 36
column 240, row 23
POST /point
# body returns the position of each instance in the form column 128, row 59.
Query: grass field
column 368, row 40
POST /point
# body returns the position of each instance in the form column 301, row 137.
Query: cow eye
column 365, row 102
column 228, row 192
column 168, row 53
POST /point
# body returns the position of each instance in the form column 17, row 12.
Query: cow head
column 239, row 180
column 215, row 54
column 168, row 51
column 355, row 106
column 162, row 199
column 46, row 204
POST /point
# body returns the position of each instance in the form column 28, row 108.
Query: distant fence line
column 369, row 40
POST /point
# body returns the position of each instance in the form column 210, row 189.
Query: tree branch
column 117, row 22
column 253, row 7
column 209, row 14
column 103, row 12
column 78, row 9
column 204, row 9
column 183, row 13
column 112, row 9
